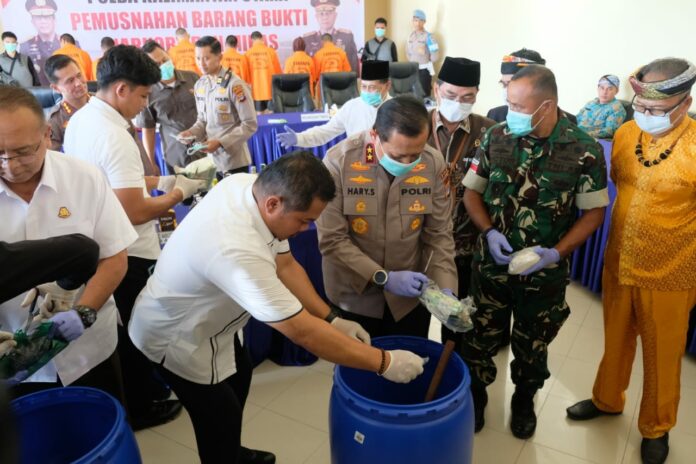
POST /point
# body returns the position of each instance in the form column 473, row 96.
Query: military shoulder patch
column 238, row 91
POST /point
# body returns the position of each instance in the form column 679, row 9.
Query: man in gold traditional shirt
column 649, row 277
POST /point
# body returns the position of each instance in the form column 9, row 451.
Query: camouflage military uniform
column 532, row 190
column 342, row 38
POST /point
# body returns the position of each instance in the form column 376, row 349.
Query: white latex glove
column 6, row 342
column 54, row 299
column 352, row 329
column 166, row 183
column 404, row 366
column 189, row 187
column 200, row 167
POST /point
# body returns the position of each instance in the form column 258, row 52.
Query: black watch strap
column 333, row 314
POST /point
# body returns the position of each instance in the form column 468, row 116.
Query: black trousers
column 105, row 376
column 69, row 259
column 415, row 323
column 139, row 382
column 463, row 264
column 426, row 81
column 261, row 105
column 216, row 410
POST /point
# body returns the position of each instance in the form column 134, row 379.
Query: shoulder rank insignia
column 417, row 180
column 238, row 91
column 416, row 207
column 360, row 180
column 359, row 225
column 224, row 80
column 370, row 156
column 63, row 212
column 358, row 166
column 419, row 167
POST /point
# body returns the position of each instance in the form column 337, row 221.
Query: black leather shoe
column 524, row 421
column 160, row 412
column 586, row 410
column 654, row 450
column 480, row 401
column 250, row 456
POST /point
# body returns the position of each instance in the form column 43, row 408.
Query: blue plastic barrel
column 372, row 420
column 74, row 425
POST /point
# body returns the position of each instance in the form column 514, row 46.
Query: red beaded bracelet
column 383, row 364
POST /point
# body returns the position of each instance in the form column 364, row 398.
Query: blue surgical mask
column 520, row 124
column 393, row 167
column 653, row 125
column 371, row 98
column 379, row 33
column 167, row 70
column 10, row 47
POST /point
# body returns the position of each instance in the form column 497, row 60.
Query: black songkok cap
column 375, row 70
column 461, row 72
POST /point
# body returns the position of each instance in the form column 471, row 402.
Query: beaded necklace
column 661, row 157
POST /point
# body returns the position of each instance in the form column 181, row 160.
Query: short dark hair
column 107, row 42
column 56, row 63
column 327, row 38
column 68, row 38
column 381, row 21
column 404, row 114
column 256, row 35
column 542, row 79
column 298, row 178
column 150, row 46
column 9, row 34
column 127, row 63
column 231, row 40
column 180, row 31
column 13, row 98
column 209, row 41
column 667, row 67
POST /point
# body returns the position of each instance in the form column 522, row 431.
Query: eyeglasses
column 22, row 156
column 654, row 111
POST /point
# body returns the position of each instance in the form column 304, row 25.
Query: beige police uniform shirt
column 423, row 48
column 225, row 113
column 380, row 222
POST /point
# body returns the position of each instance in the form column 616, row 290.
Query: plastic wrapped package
column 31, row 353
column 452, row 313
column 202, row 169
column 522, row 260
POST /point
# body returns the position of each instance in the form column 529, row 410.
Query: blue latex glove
column 68, row 324
column 496, row 244
column 287, row 139
column 549, row 256
column 448, row 291
column 406, row 283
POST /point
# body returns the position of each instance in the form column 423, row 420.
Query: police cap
column 41, row 7
column 326, row 2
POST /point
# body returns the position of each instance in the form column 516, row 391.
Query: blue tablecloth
column 588, row 260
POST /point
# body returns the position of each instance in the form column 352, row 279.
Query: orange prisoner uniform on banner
column 331, row 58
column 301, row 63
column 238, row 63
column 649, row 282
column 263, row 64
column 183, row 56
column 80, row 56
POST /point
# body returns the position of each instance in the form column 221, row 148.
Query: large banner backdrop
column 135, row 21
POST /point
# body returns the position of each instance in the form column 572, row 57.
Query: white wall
column 580, row 39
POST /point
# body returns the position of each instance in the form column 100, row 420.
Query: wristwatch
column 87, row 315
column 380, row 278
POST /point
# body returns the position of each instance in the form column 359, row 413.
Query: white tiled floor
column 287, row 410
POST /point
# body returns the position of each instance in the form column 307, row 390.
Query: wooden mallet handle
column 439, row 370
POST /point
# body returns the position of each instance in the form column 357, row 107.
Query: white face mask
column 453, row 111
column 653, row 125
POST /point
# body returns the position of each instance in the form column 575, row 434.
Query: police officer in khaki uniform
column 42, row 45
column 226, row 114
column 66, row 78
column 456, row 132
column 389, row 229
column 343, row 38
column 422, row 48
